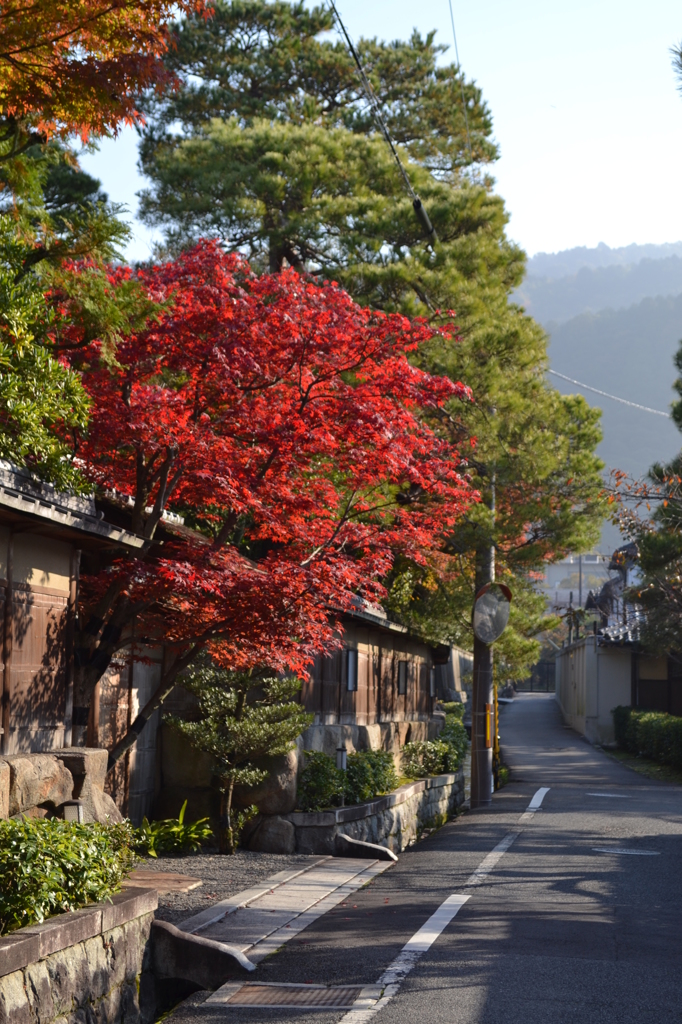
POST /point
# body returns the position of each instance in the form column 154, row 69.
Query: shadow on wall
column 37, row 687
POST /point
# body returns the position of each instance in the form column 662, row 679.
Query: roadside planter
column 85, row 965
column 394, row 821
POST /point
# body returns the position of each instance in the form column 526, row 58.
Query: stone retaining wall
column 394, row 821
column 37, row 785
column 84, row 966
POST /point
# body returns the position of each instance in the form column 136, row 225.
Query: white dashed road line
column 423, row 939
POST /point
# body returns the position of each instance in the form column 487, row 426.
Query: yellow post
column 496, row 739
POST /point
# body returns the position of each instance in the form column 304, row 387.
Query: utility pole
column 481, row 704
column 482, row 692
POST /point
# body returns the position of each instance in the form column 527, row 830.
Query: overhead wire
column 461, row 82
column 605, row 394
column 417, row 205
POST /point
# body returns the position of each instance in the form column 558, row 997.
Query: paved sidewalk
column 260, row 920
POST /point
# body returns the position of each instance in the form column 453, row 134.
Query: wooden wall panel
column 376, row 699
column 37, row 670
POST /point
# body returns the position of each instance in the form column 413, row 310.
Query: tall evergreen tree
column 269, row 146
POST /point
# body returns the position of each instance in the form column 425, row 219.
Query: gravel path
column 222, row 876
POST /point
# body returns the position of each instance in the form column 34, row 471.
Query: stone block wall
column 394, row 821
column 85, row 966
column 37, row 785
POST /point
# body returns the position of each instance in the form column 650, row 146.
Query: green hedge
column 445, row 754
column 48, row 866
column 369, row 773
column 652, row 733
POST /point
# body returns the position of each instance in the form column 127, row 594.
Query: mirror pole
column 482, row 691
column 481, row 726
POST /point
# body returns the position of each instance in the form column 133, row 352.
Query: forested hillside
column 614, row 317
column 629, row 353
column 555, row 300
column 569, row 261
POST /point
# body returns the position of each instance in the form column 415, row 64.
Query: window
column 432, row 681
column 351, row 669
column 402, row 677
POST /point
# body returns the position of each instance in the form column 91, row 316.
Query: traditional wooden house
column 380, row 690
column 42, row 536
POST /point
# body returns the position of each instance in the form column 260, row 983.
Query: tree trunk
column 164, row 690
column 226, row 836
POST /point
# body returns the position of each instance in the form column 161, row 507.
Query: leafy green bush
column 455, row 708
column 172, row 835
column 369, row 773
column 428, row 757
column 445, row 754
column 383, row 767
column 652, row 733
column 49, row 866
column 455, row 735
column 320, row 784
column 358, row 784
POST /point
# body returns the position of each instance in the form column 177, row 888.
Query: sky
column 585, row 108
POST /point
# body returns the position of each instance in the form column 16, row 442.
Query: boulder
column 100, row 807
column 4, row 790
column 88, row 766
column 37, row 780
column 273, row 835
column 277, row 793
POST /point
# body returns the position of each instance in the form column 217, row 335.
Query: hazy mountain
column 614, row 317
column 628, row 353
column 569, row 261
column 556, row 299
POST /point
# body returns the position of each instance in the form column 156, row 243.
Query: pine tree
column 243, row 717
column 278, row 156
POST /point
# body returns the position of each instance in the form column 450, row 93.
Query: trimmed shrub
column 455, row 735
column 651, row 733
column 50, row 866
column 320, row 783
column 428, row 757
column 435, row 757
column 369, row 773
column 383, row 768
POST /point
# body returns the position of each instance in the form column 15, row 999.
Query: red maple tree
column 78, row 65
column 282, row 421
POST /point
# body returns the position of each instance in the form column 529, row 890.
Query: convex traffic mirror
column 491, row 612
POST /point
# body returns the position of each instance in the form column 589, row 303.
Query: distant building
column 570, row 581
column 600, row 672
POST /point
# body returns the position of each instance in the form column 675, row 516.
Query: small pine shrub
column 50, row 866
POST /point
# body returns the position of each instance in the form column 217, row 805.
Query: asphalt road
column 559, row 932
